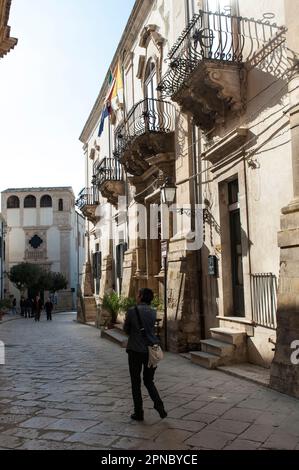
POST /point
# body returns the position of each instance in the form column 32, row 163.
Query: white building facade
column 2, row 255
column 44, row 228
column 209, row 104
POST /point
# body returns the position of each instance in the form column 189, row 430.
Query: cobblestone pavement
column 63, row 387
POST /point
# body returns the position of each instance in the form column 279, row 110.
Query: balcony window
column 30, row 202
column 46, row 201
column 13, row 202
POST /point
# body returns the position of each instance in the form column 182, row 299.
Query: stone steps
column 216, row 347
column 203, row 359
column 228, row 335
column 116, row 335
column 226, row 346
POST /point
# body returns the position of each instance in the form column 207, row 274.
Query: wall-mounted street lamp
column 168, row 192
column 168, row 195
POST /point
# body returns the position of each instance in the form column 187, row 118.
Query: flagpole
column 126, row 174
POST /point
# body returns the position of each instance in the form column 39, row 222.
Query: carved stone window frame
column 153, row 43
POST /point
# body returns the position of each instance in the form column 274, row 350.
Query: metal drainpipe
column 196, row 186
column 124, row 170
column 248, row 232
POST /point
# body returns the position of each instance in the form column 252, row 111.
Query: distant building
column 2, row 255
column 6, row 41
column 44, row 228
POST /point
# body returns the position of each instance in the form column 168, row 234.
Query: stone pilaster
column 87, row 281
column 183, row 321
column 284, row 373
column 65, row 234
column 284, row 370
column 129, row 268
column 106, row 280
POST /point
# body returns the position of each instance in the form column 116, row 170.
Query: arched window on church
column 46, row 201
column 13, row 202
column 30, row 202
column 60, row 205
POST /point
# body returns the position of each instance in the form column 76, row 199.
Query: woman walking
column 137, row 350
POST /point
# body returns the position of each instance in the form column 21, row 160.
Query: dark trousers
column 37, row 315
column 136, row 362
column 27, row 312
column 49, row 315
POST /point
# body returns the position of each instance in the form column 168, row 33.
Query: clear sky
column 49, row 83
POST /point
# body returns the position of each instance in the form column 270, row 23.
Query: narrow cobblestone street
column 63, row 387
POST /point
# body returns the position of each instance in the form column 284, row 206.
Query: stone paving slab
column 63, row 387
column 208, row 439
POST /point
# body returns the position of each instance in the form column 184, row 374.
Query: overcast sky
column 49, row 83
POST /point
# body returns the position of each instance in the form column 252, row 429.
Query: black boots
column 161, row 410
column 137, row 416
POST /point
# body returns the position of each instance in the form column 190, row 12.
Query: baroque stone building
column 6, row 41
column 44, row 228
column 202, row 97
column 6, row 44
column 2, row 255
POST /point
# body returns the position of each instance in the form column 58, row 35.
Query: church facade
column 44, row 228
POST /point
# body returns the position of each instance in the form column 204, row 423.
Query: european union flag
column 105, row 114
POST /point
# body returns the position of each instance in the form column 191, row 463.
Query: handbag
column 155, row 353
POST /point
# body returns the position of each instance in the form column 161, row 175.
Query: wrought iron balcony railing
column 87, row 197
column 146, row 117
column 218, row 37
column 108, row 169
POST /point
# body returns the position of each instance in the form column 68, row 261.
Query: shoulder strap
column 142, row 329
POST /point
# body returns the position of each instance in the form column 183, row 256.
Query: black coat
column 49, row 307
column 137, row 342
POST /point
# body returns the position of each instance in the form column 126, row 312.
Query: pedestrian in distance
column 22, row 305
column 138, row 356
column 14, row 306
column 38, row 306
column 32, row 314
column 28, row 308
column 49, row 309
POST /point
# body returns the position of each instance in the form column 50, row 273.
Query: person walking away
column 38, row 305
column 137, row 350
column 49, row 309
column 32, row 315
column 22, row 306
column 14, row 306
column 28, row 308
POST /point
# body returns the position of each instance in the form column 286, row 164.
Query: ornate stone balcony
column 146, row 137
column 109, row 178
column 87, row 202
column 208, row 64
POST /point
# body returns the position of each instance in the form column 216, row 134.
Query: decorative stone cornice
column 151, row 32
column 6, row 42
column 226, row 145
